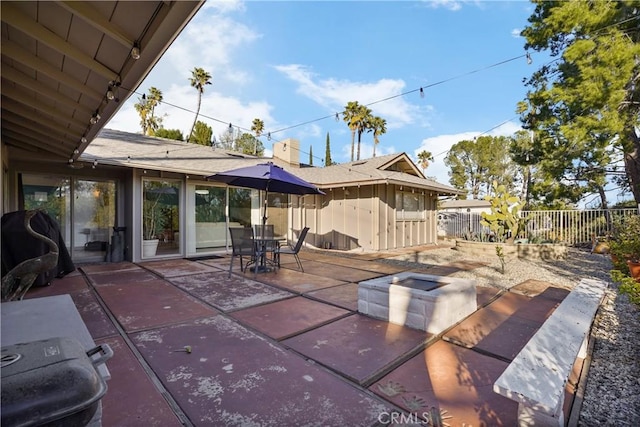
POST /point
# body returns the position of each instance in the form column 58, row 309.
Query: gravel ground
column 612, row 394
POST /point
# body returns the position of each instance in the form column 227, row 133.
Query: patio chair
column 292, row 250
column 242, row 246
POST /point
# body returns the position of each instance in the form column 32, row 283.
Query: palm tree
column 379, row 127
column 154, row 98
column 199, row 79
column 349, row 115
column 146, row 108
column 257, row 126
column 142, row 107
column 424, row 157
column 363, row 121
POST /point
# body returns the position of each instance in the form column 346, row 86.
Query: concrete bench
column 537, row 377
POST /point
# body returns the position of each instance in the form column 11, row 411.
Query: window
column 409, row 206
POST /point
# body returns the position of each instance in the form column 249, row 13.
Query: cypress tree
column 327, row 155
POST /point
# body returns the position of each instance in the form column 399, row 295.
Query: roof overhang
column 61, row 58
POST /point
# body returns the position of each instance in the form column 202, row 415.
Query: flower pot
column 634, row 269
column 149, row 248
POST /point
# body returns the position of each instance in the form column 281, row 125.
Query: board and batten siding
column 361, row 218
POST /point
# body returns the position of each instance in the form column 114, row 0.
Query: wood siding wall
column 361, row 217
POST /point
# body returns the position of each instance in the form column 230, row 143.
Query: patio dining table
column 264, row 245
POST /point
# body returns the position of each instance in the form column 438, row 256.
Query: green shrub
column 625, row 246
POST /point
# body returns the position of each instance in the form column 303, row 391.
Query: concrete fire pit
column 421, row 301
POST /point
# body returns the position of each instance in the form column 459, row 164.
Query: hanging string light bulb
column 337, row 117
column 421, row 93
column 95, row 163
column 230, row 128
column 268, row 136
column 529, row 60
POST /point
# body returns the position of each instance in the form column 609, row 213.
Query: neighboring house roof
column 463, row 204
column 138, row 151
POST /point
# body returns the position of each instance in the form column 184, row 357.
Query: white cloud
column 446, row 4
column 225, row 6
column 516, row 32
column 334, row 94
column 440, row 145
column 212, row 47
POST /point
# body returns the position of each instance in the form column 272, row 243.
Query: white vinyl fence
column 573, row 227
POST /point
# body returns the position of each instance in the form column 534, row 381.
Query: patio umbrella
column 267, row 177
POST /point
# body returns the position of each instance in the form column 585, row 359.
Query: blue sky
column 291, row 63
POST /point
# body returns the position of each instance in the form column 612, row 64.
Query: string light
column 95, row 163
column 135, row 51
column 529, row 60
column 76, row 151
column 94, row 118
column 337, row 115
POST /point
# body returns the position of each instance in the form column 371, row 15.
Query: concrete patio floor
column 289, row 348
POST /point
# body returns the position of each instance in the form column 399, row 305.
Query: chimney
column 288, row 150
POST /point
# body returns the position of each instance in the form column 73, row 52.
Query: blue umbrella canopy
column 267, row 177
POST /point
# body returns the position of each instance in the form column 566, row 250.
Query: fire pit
column 421, row 301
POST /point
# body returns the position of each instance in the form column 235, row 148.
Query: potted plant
column 152, row 218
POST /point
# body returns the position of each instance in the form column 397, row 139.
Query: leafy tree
column 257, row 127
column 424, row 158
column 476, row 164
column 249, row 144
column 327, row 154
column 226, row 140
column 379, row 127
column 201, row 134
column 349, row 116
column 585, row 105
column 146, row 110
column 199, row 79
column 170, row 134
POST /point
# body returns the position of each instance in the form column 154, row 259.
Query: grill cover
column 53, row 382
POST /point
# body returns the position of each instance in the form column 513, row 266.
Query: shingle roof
column 138, row 151
column 134, row 150
column 370, row 171
column 470, row 203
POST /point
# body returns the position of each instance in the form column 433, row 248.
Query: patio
column 290, row 348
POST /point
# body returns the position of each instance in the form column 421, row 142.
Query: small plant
column 504, row 220
column 627, row 285
column 624, row 248
column 500, row 254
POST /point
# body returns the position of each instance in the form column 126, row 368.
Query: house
column 457, row 217
column 373, row 204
